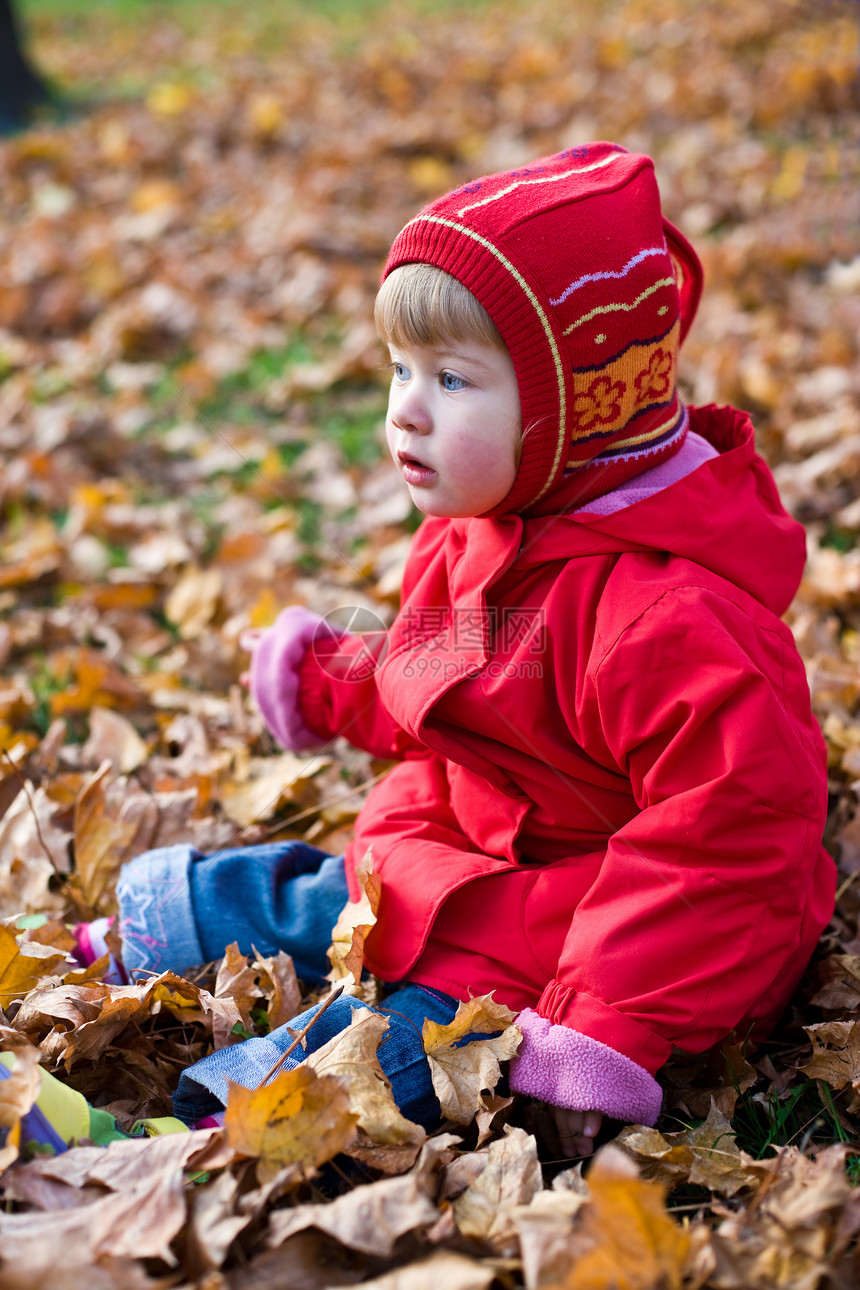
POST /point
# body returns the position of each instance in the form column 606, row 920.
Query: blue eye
column 452, row 382
column 401, row 371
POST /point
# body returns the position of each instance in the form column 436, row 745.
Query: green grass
column 806, row 1118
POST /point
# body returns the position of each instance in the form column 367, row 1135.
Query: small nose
column 409, row 411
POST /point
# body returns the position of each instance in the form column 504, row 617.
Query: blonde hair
column 419, row 304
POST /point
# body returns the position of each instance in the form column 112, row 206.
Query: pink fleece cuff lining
column 275, row 668
column 566, row 1068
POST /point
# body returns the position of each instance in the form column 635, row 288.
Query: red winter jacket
column 611, row 790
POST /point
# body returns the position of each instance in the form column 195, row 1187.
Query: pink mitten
column 276, row 657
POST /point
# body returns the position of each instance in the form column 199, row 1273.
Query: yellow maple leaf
column 460, row 1072
column 626, row 1238
column 22, row 967
column 300, row 1119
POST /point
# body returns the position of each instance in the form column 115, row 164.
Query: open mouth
column 413, row 470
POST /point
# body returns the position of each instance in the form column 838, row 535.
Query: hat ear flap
column 688, row 273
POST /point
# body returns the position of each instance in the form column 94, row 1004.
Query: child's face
column 454, row 425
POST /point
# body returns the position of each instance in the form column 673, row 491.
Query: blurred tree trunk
column 21, row 89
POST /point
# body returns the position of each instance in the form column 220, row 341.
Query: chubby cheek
column 487, row 463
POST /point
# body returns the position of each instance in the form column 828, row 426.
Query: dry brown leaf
column 33, row 850
column 511, row 1178
column 269, row 783
column 97, row 1014
column 280, row 987
column 835, row 1056
column 461, row 1073
column 444, row 1270
column 625, row 1240
column 101, row 840
column 114, row 739
column 236, row 981
column 356, row 920
column 370, row 1219
column 545, row 1231
column 300, row 1119
column 213, row 1223
column 352, row 1056
column 718, row 1077
column 786, row 1240
column 192, row 603
column 143, row 1213
column 17, row 1095
column 707, row 1156
column 839, row 982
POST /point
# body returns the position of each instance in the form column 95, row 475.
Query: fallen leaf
column 101, row 840
column 114, row 739
column 707, row 1155
column 192, row 603
column 280, row 987
column 787, row 1239
column 370, row 1219
column 352, row 1056
column 23, row 966
column 512, row 1178
column 88, row 1019
column 835, row 1056
column 839, row 982
column 462, row 1071
column 351, row 930
column 17, row 1095
column 236, row 981
column 213, row 1223
column 624, row 1239
column 268, row 784
column 444, row 1270
column 300, row 1119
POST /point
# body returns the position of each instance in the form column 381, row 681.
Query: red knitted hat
column 592, row 291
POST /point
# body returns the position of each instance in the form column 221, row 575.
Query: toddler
column 609, row 793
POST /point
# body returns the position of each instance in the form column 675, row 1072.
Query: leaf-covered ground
column 191, row 437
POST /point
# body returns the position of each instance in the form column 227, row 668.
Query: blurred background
column 192, row 224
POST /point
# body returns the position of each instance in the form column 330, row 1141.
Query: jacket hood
column 592, row 290
column 726, row 516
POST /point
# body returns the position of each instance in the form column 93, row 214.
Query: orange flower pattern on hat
column 600, row 403
column 656, row 380
column 639, row 381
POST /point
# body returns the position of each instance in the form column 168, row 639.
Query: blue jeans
column 203, row 1087
column 178, row 908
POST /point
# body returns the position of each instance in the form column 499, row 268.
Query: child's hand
column 577, row 1130
column 249, row 640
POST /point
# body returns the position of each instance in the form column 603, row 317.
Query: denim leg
column 203, row 1086
column 179, row 907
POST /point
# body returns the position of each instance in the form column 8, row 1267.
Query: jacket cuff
column 275, row 667
column 563, row 1005
column 566, row 1068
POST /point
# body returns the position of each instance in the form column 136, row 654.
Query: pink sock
column 91, row 945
